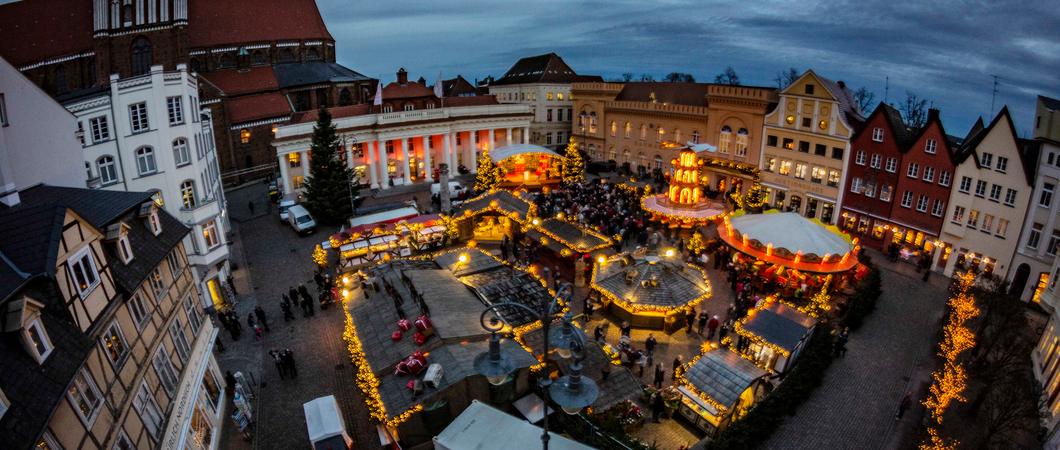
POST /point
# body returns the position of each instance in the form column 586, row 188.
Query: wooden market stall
column 773, row 335
column 718, row 387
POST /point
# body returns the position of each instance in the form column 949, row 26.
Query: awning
column 481, row 427
column 323, row 418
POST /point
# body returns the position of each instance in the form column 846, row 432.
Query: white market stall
column 324, row 422
column 482, row 427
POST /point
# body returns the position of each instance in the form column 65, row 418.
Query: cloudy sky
column 942, row 50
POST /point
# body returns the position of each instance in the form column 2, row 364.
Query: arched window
column 695, row 136
column 258, row 58
column 408, row 107
column 741, row 142
column 145, row 161
column 388, row 108
column 181, row 155
column 228, row 60
column 592, row 122
column 725, row 139
column 643, row 131
column 187, row 194
column 628, row 130
column 661, row 135
column 313, row 54
column 108, row 173
column 286, row 56
column 614, row 128
column 345, row 98
column 677, row 136
column 141, row 56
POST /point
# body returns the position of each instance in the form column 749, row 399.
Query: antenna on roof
column 993, row 96
column 886, row 89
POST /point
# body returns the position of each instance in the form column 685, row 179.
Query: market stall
column 652, row 291
column 370, row 243
column 491, row 216
column 567, row 238
column 790, row 240
column 527, row 165
column 718, row 387
column 773, row 335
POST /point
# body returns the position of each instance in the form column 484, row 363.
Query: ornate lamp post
column 571, row 392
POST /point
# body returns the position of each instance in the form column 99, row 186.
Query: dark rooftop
column 780, row 325
column 572, row 236
column 507, row 202
column 676, row 284
column 723, row 375
column 547, row 68
column 302, row 74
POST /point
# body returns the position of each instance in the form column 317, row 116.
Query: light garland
column 680, row 374
column 950, row 381
column 540, row 227
column 320, row 257
column 642, row 308
column 676, row 218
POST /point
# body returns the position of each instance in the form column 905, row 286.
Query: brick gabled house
column 932, row 154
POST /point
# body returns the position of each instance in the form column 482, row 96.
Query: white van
column 284, row 204
column 325, row 425
column 300, row 220
column 455, row 189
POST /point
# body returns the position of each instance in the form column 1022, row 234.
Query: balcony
column 203, row 211
column 210, row 257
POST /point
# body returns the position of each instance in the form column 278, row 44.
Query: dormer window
column 154, row 222
column 23, row 315
column 37, row 340
column 84, row 272
column 124, row 249
column 119, row 234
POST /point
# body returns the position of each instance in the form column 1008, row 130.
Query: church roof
column 36, row 30
column 212, row 23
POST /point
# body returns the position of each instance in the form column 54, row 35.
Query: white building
column 148, row 133
column 543, row 82
column 1046, row 360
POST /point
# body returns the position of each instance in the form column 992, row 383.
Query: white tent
column 792, row 232
column 324, row 420
column 482, row 427
column 501, row 153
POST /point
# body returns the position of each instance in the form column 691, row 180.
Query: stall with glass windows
column 717, row 388
column 491, row 216
column 773, row 334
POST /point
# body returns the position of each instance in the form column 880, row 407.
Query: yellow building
column 632, row 123
column 807, row 140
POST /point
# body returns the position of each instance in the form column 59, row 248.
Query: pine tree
column 573, row 164
column 328, row 189
column 489, row 173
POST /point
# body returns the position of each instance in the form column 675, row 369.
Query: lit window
column 209, row 234
column 244, row 136
column 958, row 214
column 114, row 344
column 661, row 136
column 559, row 96
column 85, row 396
column 138, row 117
column 157, row 284
column 833, row 178
column 294, row 159
column 725, row 140
column 1002, row 228
column 628, row 129
column 187, row 194
column 145, row 161
column 817, row 174
column 614, row 128
column 154, row 222
column 885, row 193
column 83, row 269
column 548, row 96
column 800, row 171
column 785, row 168
column 973, row 218
column 37, row 340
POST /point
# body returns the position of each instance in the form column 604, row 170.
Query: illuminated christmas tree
column 489, row 174
column 573, row 164
column 320, row 256
column 950, row 380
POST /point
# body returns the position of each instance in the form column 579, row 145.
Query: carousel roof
column 501, row 153
column 792, row 232
column 569, row 235
column 723, row 375
column 676, row 283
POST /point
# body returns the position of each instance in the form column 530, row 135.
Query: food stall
column 773, row 335
column 718, row 387
column 650, row 291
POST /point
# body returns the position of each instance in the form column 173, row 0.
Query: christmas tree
column 573, row 164
column 328, row 190
column 489, row 174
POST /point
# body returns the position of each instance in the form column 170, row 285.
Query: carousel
column 650, row 291
column 527, row 165
column 683, row 205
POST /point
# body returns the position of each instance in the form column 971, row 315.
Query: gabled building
column 105, row 345
column 544, row 83
column 994, row 181
column 806, row 146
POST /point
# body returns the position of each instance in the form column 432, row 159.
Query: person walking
column 904, row 405
column 690, row 319
column 702, row 322
column 677, row 363
column 650, row 343
column 285, row 305
column 260, row 314
column 281, row 366
column 840, row 346
column 657, row 406
column 251, row 320
column 598, row 333
column 292, row 366
column 712, row 326
column 642, row 361
column 626, row 329
column 659, row 374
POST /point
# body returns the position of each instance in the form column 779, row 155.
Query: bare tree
column 784, row 79
column 646, row 77
column 728, row 77
column 627, row 77
column 864, row 99
column 680, row 77
column 1010, row 410
column 914, row 110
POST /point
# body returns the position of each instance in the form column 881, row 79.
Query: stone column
column 284, row 175
column 373, row 164
column 428, row 172
column 492, row 140
column 526, row 135
column 508, row 135
column 405, row 160
column 448, row 150
column 473, row 160
column 304, row 158
column 384, row 166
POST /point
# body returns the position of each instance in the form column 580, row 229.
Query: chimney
column 842, row 84
column 933, row 114
column 402, row 76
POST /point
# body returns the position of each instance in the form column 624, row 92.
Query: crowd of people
column 605, row 207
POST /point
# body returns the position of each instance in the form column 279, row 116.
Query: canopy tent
column 482, row 427
column 389, row 216
column 790, row 240
column 502, row 153
column 324, row 422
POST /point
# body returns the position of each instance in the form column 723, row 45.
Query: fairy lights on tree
column 489, row 173
column 573, row 164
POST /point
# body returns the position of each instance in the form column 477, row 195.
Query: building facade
column 108, row 348
column 806, row 146
column 544, row 83
column 1045, row 360
column 994, row 181
column 642, row 125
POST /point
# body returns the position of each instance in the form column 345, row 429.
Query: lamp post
column 571, row 392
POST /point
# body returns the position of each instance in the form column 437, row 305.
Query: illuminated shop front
column 528, row 166
column 718, row 387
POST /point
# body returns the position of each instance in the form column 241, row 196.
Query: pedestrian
column 690, row 319
column 307, row 307
column 657, row 406
column 260, row 314
column 293, row 295
column 712, row 326
column 724, row 330
column 292, row 367
column 598, row 333
column 677, row 363
column 840, row 347
column 642, row 360
column 230, row 382
column 904, row 405
column 250, row 206
column 258, row 333
column 587, row 307
column 626, row 328
column 285, row 305
column 702, row 322
column 251, row 320
column 659, row 374
column 649, row 344
column 277, row 359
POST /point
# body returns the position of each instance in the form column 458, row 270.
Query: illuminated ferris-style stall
column 683, row 204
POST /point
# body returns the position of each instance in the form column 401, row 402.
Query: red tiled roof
column 236, row 82
column 37, row 30
column 217, row 22
column 408, row 90
column 255, row 107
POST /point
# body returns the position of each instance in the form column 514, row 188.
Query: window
column 833, row 178
column 808, row 89
column 181, row 155
column 167, row 374
column 987, row 159
column 837, row 153
column 107, row 172
column 123, row 442
column 85, row 396
column 100, row 129
column 559, row 115
column 885, row 193
column 789, row 143
column 907, row 199
column 875, row 161
column 930, row 146
column 194, row 314
column 771, row 164
column 627, row 130
column 180, row 341
column 154, row 223
column 695, row 138
column 725, row 139
column 944, row 178
column 1046, row 197
column 995, row 193
column 800, row 171
column 929, row 174
column 386, row 109
column 1002, row 164
column 37, row 340
column 785, row 168
column 139, row 311
column 958, row 214
column 173, row 258
column 548, row 96
column 1002, row 228
column 877, row 134
column 980, row 188
column 804, row 147
column 559, row 96
column 988, row 223
column 145, row 404
column 937, row 208
column 741, row 142
column 145, row 161
column 973, row 218
column 855, row 185
column 176, row 112
column 114, row 344
column 892, row 165
column 83, row 269
column 870, row 188
column 859, row 158
column 47, row 442
column 913, row 170
column 806, row 121
column 922, row 203
column 1035, row 235
column 614, row 128
column 141, row 56
column 209, row 234
column 966, row 184
column 244, row 136
column 548, row 138
column 817, row 175
column 187, row 194
column 1054, row 239
column 820, row 149
column 661, row 135
column 1010, row 197
column 138, row 117
column 124, row 249
column 157, row 284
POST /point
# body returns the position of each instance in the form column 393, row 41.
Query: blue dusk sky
column 945, row 51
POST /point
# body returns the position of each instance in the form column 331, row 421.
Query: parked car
column 284, row 205
column 300, row 220
column 274, row 191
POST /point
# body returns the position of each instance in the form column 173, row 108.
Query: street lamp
column 571, row 392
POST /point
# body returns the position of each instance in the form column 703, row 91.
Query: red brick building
column 898, row 182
